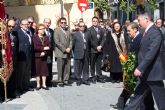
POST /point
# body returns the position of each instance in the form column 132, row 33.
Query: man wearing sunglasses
column 63, row 41
column 81, row 55
column 13, row 82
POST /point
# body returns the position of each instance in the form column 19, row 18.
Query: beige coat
column 63, row 40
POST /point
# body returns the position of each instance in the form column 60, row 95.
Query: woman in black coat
column 116, row 43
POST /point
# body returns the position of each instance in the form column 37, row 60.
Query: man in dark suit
column 96, row 39
column 150, row 71
column 50, row 33
column 63, row 41
column 136, row 36
column 13, row 35
column 159, row 24
column 31, row 21
column 24, row 53
column 81, row 57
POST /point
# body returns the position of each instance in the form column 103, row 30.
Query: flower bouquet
column 128, row 64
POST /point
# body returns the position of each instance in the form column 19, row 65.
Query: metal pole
column 82, row 14
column 127, row 9
column 62, row 5
column 164, row 9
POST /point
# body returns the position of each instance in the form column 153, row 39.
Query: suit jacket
column 163, row 31
column 135, row 44
column 51, row 38
column 94, row 41
column 78, row 45
column 24, row 51
column 149, row 58
column 39, row 47
column 62, row 40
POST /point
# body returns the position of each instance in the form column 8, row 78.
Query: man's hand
column 68, row 50
column 137, row 73
column 42, row 54
column 99, row 48
column 46, row 48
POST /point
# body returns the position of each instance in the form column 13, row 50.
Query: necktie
column 144, row 34
column 83, row 36
column 28, row 34
column 48, row 33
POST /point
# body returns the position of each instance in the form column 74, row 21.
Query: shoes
column 60, row 84
column 100, row 80
column 78, row 83
column 28, row 89
column 113, row 81
column 116, row 107
column 45, row 88
column 66, row 83
column 118, row 81
column 86, row 82
column 38, row 88
column 93, row 81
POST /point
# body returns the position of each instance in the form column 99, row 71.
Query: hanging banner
column 6, row 66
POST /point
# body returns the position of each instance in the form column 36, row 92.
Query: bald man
column 50, row 33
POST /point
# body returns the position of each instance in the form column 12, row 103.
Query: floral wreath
column 128, row 65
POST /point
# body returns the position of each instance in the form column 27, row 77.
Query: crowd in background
column 33, row 46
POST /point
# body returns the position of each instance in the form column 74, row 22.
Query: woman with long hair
column 115, row 45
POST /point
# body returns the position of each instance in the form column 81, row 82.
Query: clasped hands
column 67, row 50
column 99, row 48
column 46, row 48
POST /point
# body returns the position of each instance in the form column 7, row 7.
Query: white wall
column 51, row 11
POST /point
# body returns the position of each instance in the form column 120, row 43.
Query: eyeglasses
column 63, row 22
column 11, row 26
column 81, row 26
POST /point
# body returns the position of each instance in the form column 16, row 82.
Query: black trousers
column 50, row 76
column 142, row 89
column 96, row 64
column 148, row 100
column 24, row 75
column 82, row 68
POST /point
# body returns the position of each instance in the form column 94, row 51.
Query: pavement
column 97, row 96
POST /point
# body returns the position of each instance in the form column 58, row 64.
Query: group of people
column 32, row 54
column 33, row 46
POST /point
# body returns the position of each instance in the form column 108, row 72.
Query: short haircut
column 95, row 18
column 133, row 25
column 145, row 16
column 40, row 25
column 23, row 20
column 62, row 18
column 159, row 19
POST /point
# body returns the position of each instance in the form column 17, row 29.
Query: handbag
column 105, row 64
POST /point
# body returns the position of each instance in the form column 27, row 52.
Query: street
column 97, row 96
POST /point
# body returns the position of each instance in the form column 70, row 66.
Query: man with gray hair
column 50, row 34
column 25, row 55
column 149, row 71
